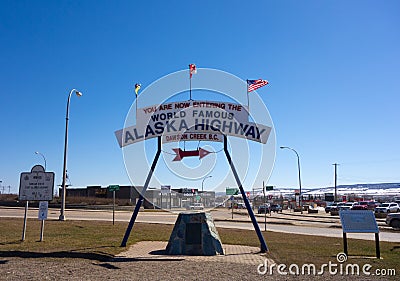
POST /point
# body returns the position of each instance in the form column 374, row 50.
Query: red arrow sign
column 180, row 154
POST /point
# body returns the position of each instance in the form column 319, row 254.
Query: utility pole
column 335, row 180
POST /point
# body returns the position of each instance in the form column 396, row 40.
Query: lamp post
column 64, row 191
column 202, row 183
column 298, row 166
column 44, row 158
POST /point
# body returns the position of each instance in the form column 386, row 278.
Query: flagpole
column 190, row 91
column 136, row 108
column 247, row 94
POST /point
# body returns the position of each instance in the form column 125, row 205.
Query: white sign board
column 165, row 189
column 37, row 185
column 201, row 118
column 358, row 221
column 190, row 136
column 43, row 210
column 183, row 109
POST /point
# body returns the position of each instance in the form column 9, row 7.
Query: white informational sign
column 43, row 210
column 190, row 136
column 201, row 118
column 358, row 221
column 165, row 189
column 183, row 109
column 37, row 185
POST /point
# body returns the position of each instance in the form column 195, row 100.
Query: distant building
column 154, row 198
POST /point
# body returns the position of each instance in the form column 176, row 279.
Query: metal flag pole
column 247, row 94
column 137, row 88
column 136, row 101
column 190, row 83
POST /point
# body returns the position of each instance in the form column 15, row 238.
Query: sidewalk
column 154, row 250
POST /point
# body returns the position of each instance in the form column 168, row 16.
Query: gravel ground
column 145, row 261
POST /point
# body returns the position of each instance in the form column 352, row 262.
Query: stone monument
column 194, row 233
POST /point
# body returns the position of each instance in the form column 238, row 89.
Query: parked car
column 365, row 205
column 329, row 207
column 393, row 220
column 346, row 206
column 388, row 208
column 335, row 208
column 373, row 204
column 264, row 209
column 276, row 208
column 362, row 205
column 196, row 206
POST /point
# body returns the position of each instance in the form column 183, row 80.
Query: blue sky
column 333, row 68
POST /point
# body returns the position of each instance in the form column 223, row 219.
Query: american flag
column 192, row 69
column 255, row 84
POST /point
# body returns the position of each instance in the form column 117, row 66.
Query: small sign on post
column 113, row 188
column 43, row 210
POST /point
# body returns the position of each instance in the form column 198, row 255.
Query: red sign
column 180, row 154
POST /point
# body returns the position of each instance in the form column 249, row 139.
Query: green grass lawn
column 101, row 240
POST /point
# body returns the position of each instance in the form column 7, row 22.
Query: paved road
column 323, row 227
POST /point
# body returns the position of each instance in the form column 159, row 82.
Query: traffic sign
column 165, row 189
column 113, row 187
column 43, row 210
column 232, row 191
column 269, row 187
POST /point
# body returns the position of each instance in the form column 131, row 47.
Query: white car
column 196, row 206
column 388, row 208
column 347, row 206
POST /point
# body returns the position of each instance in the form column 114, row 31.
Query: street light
column 64, row 191
column 44, row 158
column 202, row 183
column 298, row 166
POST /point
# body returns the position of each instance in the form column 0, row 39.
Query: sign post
column 166, row 189
column 113, row 188
column 232, row 198
column 25, row 219
column 265, row 209
column 43, row 210
column 36, row 185
column 359, row 221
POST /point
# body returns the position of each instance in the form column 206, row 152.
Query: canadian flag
column 192, row 69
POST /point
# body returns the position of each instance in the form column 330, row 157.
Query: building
column 154, row 198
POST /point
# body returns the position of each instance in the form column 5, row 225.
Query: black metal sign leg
column 141, row 197
column 264, row 247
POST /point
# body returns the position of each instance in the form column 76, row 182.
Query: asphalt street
column 321, row 226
